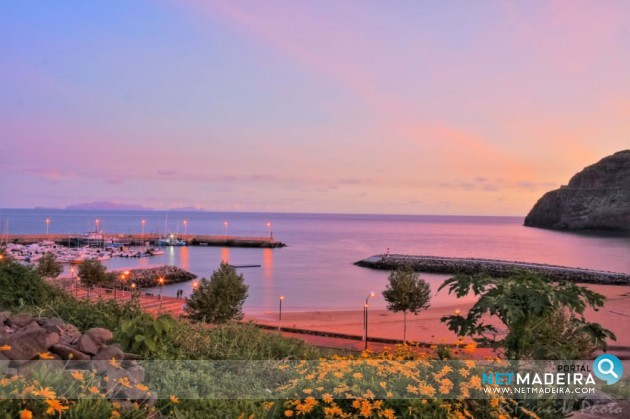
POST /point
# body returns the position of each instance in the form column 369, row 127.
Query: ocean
column 315, row 271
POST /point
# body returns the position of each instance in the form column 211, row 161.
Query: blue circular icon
column 608, row 368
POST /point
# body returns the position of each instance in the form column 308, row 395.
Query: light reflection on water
column 316, row 271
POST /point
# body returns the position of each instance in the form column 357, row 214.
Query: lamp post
column 161, row 283
column 143, row 222
column 365, row 317
column 269, row 229
column 225, row 225
column 97, row 222
column 281, row 299
column 47, row 225
column 185, row 227
column 133, row 290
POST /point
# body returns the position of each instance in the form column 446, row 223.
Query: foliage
column 527, row 304
column 93, row 274
column 146, row 335
column 220, row 299
column 53, row 392
column 22, row 286
column 48, row 267
column 407, row 292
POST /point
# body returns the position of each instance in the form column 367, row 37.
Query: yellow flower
column 114, row 363
column 78, row 375
column 388, row 414
column 357, row 375
column 383, row 384
column 174, row 399
column 54, row 407
column 93, row 390
column 4, row 382
column 142, row 387
column 26, row 414
column 46, row 355
column 5, row 348
column 115, row 414
column 268, row 405
column 288, row 413
column 44, row 392
column 307, row 391
column 124, row 381
column 327, row 398
column 366, row 408
column 116, row 405
column 464, row 372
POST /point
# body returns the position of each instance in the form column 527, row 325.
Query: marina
column 100, row 239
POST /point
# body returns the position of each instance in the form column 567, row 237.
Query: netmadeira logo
column 605, row 367
column 608, row 368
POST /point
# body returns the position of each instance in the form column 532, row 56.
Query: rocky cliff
column 597, row 198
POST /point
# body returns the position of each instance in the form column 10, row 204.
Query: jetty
column 492, row 267
column 143, row 239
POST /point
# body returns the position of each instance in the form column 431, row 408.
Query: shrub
column 220, row 299
column 48, row 267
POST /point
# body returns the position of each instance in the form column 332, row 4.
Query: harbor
column 150, row 239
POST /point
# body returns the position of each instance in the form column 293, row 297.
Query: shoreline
column 426, row 327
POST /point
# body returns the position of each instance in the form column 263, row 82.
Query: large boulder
column 597, row 198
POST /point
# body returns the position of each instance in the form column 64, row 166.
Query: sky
column 407, row 107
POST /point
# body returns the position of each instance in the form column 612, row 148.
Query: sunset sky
column 411, row 107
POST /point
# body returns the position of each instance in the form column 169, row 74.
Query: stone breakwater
column 148, row 278
column 495, row 268
column 28, row 343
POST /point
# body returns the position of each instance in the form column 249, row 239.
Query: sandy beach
column 426, row 326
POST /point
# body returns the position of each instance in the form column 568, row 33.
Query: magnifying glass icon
column 610, row 370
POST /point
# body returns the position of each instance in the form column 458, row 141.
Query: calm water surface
column 316, row 271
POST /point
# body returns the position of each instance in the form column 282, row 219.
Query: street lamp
column 185, row 227
column 225, row 224
column 269, row 229
column 97, row 222
column 161, row 284
column 143, row 222
column 133, row 290
column 47, row 225
column 365, row 317
column 281, row 299
column 195, row 285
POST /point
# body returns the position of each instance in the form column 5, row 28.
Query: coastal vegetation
column 536, row 312
column 413, row 387
column 407, row 292
column 219, row 299
column 48, row 266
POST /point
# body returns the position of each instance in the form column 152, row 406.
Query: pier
column 492, row 267
column 142, row 239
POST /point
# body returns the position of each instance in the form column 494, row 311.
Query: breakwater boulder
column 28, row 344
column 597, row 198
column 148, row 278
column 491, row 267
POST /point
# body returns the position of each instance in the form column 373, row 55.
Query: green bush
column 21, row 286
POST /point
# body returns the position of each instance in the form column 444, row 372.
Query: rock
column 136, row 373
column 53, row 324
column 99, row 335
column 4, row 316
column 20, row 320
column 108, row 352
column 102, row 360
column 69, row 334
column 69, row 353
column 131, row 357
column 87, row 345
column 26, row 345
column 597, row 198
